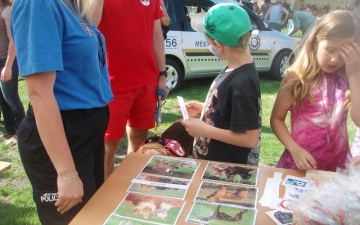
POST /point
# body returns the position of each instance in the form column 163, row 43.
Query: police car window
column 170, row 8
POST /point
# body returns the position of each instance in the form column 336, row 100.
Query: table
column 111, row 193
column 4, row 166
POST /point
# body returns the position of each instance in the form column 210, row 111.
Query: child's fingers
column 312, row 163
column 350, row 51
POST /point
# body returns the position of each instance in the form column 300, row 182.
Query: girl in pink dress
column 314, row 90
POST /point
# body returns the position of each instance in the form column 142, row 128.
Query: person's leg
column 142, row 116
column 8, row 117
column 11, row 95
column 6, row 110
column 135, row 138
column 120, row 109
column 111, row 148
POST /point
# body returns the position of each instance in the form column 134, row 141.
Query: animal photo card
column 231, row 173
column 203, row 213
column 160, row 186
column 171, row 167
column 119, row 220
column 148, row 209
column 227, row 195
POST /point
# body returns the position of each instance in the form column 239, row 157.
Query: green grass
column 16, row 204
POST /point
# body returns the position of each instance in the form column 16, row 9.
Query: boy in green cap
column 229, row 127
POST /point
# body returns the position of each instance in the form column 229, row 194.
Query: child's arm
column 198, row 128
column 302, row 158
column 351, row 56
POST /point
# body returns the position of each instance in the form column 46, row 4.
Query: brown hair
column 305, row 72
column 4, row 3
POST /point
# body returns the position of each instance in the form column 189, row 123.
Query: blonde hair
column 80, row 8
column 305, row 72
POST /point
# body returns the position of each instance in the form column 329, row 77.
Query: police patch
column 255, row 42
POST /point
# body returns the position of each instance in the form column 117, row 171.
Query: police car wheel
column 175, row 76
column 279, row 65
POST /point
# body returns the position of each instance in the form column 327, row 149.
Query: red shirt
column 128, row 27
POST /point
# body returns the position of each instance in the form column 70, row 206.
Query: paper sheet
column 183, row 107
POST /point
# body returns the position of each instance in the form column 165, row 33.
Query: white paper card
column 266, row 198
column 182, row 107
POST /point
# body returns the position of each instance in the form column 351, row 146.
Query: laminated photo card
column 227, row 195
column 119, row 220
column 147, row 209
column 204, row 213
column 231, row 173
column 171, row 167
column 160, row 186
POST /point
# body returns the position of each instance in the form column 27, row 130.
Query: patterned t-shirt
column 233, row 103
column 321, row 127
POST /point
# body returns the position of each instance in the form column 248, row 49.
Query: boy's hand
column 196, row 127
column 303, row 159
column 351, row 55
column 193, row 108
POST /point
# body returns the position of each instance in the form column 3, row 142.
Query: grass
column 16, row 204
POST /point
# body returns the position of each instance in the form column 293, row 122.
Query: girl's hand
column 356, row 160
column 70, row 193
column 196, row 127
column 193, row 108
column 351, row 55
column 6, row 74
column 303, row 159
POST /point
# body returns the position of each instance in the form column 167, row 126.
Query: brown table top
column 112, row 192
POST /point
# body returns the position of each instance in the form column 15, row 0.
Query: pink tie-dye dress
column 320, row 127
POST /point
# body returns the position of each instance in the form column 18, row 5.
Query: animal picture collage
column 227, row 194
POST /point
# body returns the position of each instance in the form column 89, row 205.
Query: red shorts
column 135, row 107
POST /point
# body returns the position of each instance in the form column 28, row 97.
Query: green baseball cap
column 224, row 22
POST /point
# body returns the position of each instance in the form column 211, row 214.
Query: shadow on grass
column 266, row 129
column 17, row 215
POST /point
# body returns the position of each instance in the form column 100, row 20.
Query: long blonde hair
column 80, row 8
column 305, row 72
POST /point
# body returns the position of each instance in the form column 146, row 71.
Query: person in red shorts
column 136, row 60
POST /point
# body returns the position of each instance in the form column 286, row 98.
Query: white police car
column 188, row 56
